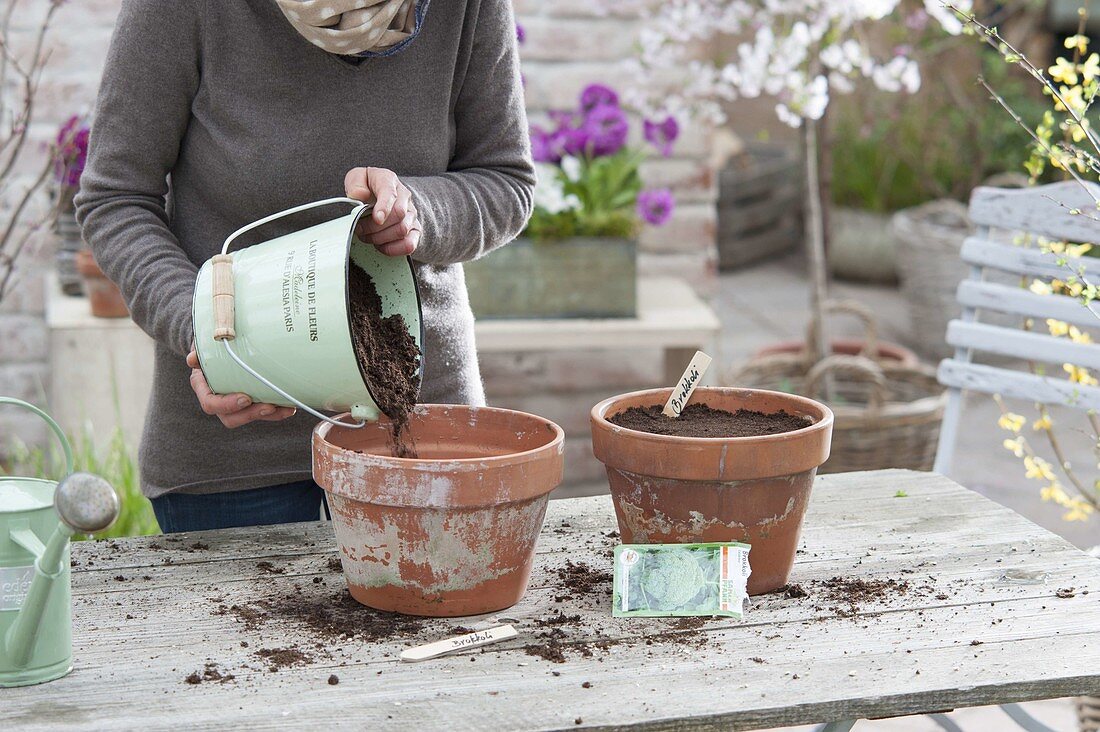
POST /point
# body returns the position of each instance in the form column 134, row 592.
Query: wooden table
column 989, row 617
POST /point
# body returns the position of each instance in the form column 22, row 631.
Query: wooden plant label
column 693, row 374
column 458, row 643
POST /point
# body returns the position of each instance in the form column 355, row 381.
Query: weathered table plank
column 982, row 623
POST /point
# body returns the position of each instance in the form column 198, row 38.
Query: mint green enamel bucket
column 272, row 320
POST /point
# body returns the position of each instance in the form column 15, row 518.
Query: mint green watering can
column 37, row 520
column 272, row 320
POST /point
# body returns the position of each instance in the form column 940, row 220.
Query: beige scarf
column 349, row 27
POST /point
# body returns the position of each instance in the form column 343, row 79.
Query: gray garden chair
column 1045, row 211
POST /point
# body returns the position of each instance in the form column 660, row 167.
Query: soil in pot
column 700, row 420
column 388, row 355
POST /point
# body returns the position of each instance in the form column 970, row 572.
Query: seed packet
column 673, row 580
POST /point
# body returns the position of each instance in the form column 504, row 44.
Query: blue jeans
column 279, row 504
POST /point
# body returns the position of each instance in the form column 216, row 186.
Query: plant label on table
column 681, row 393
column 678, row 580
column 459, row 643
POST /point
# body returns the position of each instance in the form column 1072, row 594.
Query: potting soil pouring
column 388, row 354
column 700, row 420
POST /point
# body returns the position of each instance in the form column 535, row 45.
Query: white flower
column 571, row 166
column 549, row 192
column 946, row 16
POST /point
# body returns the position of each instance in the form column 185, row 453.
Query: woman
column 214, row 114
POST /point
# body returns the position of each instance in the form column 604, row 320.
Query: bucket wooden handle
column 222, row 286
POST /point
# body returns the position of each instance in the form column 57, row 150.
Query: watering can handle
column 58, row 432
column 224, row 315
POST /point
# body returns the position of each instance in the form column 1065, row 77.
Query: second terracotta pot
column 453, row 531
column 691, row 489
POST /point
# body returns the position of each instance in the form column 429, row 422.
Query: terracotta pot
column 691, row 489
column 889, row 352
column 104, row 296
column 453, row 531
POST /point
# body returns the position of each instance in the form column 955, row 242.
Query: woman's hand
column 233, row 410
column 393, row 227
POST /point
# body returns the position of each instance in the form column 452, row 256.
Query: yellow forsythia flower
column 1011, row 422
column 1015, row 446
column 1090, row 67
column 1079, row 511
column 1043, row 423
column 1079, row 375
column 1064, row 71
column 1079, row 336
column 1057, row 327
column 1078, row 250
column 1041, row 288
column 1053, row 492
column 1079, row 42
column 1039, row 469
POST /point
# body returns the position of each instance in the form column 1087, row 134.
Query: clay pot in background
column 690, row 489
column 103, row 295
column 453, row 531
column 869, row 346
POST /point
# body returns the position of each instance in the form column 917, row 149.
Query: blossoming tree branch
column 799, row 52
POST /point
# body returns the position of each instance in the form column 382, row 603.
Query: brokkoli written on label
column 681, row 579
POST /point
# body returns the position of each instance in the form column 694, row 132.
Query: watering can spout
column 85, row 504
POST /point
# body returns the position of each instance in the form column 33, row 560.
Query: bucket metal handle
column 225, row 330
column 54, row 427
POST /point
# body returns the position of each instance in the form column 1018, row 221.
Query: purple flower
column 605, row 129
column 598, row 95
column 72, row 151
column 655, row 205
column 541, row 148
column 521, row 34
column 551, row 146
column 662, row 134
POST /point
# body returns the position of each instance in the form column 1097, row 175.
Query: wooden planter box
column 571, row 278
column 759, row 205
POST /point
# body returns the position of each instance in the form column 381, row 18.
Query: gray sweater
column 213, row 114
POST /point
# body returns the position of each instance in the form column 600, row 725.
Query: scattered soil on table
column 793, row 591
column 334, row 564
column 689, row 623
column 581, row 579
column 284, row 657
column 852, row 592
column 269, row 568
column 210, row 673
column 332, row 617
column 387, row 354
column 699, row 420
column 333, row 680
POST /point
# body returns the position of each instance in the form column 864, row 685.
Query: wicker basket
column 886, row 415
column 929, row 238
column 869, row 345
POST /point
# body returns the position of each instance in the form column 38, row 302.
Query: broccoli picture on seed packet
column 680, row 579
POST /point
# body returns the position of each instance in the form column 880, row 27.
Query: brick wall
column 568, row 46
column 78, row 46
